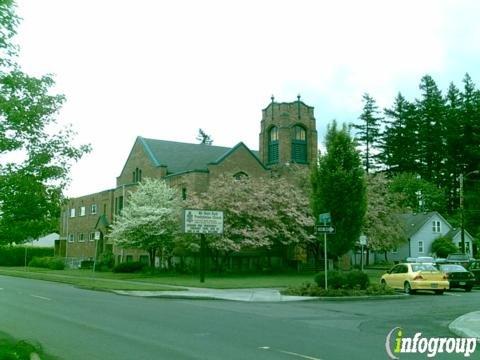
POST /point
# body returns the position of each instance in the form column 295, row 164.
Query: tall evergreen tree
column 338, row 187
column 368, row 132
column 431, row 120
column 400, row 141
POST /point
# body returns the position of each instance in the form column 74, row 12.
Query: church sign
column 202, row 221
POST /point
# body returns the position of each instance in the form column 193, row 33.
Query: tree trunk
column 151, row 253
column 386, row 256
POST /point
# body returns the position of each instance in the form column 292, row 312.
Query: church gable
column 240, row 160
column 140, row 164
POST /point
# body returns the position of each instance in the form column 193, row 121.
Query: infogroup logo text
column 429, row 346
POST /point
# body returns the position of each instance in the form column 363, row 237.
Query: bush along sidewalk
column 340, row 283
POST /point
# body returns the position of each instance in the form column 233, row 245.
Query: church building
column 288, row 135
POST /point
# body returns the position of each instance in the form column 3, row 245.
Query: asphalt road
column 79, row 324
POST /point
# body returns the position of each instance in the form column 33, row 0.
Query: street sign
column 325, row 218
column 202, row 222
column 363, row 240
column 322, row 229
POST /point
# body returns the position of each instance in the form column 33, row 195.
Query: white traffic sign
column 325, row 229
column 202, row 222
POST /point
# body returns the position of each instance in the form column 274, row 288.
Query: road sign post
column 363, row 242
column 326, row 228
column 202, row 222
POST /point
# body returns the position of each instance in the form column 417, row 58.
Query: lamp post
column 462, row 211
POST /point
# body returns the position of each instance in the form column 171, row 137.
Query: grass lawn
column 108, row 280
column 21, row 350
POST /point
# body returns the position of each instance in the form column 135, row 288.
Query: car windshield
column 423, row 267
column 452, row 268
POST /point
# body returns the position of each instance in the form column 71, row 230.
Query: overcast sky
column 163, row 69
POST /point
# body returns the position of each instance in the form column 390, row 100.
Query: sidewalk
column 467, row 325
column 248, row 295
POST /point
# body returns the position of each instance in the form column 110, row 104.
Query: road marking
column 40, row 297
column 289, row 353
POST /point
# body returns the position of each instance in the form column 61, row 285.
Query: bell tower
column 288, row 134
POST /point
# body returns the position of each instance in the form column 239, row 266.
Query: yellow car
column 411, row 277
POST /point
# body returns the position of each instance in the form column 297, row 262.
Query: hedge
column 343, row 280
column 15, row 255
column 48, row 262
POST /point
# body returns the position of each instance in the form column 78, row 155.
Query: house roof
column 181, row 157
column 414, row 221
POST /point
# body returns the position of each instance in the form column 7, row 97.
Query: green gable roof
column 181, row 157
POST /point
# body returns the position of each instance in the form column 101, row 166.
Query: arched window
column 299, row 145
column 273, row 145
column 240, row 176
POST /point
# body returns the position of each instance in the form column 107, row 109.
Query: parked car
column 411, row 260
column 458, row 276
column 425, row 260
column 459, row 258
column 411, row 277
column 474, row 268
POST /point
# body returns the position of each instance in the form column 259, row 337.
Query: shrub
column 343, row 280
column 106, row 263
column 443, row 247
column 129, row 267
column 309, row 289
column 48, row 263
column 15, row 255
column 86, row 264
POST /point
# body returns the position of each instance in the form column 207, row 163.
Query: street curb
column 360, row 298
column 457, row 326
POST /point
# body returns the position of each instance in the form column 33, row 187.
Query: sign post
column 326, row 228
column 363, row 242
column 202, row 222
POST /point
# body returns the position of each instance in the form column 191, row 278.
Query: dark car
column 475, row 269
column 461, row 259
column 458, row 276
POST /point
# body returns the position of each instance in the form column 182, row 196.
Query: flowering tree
column 382, row 223
column 150, row 219
column 258, row 213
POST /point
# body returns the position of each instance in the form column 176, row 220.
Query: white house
column 421, row 230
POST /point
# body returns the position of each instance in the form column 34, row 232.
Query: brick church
column 287, row 136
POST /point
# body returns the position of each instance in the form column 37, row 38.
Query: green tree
column 443, row 247
column 36, row 154
column 400, row 142
column 149, row 220
column 417, row 194
column 338, row 187
column 431, row 113
column 204, row 138
column 368, row 132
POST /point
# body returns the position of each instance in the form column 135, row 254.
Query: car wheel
column 407, row 288
column 439, row 292
column 468, row 288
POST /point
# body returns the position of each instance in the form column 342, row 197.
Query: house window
column 129, row 258
column 91, row 236
column 184, row 193
column 299, row 145
column 420, row 247
column 273, row 145
column 81, row 237
column 467, row 247
column 82, row 211
column 71, row 237
column 144, row 259
column 72, row 212
column 93, row 209
column 436, row 226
